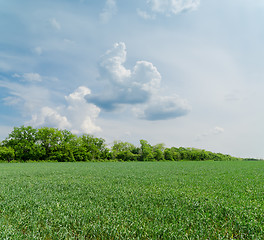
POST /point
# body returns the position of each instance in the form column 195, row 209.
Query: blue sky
column 181, row 72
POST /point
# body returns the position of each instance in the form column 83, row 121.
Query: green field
column 137, row 200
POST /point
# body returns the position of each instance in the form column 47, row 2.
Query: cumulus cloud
column 50, row 118
column 82, row 114
column 109, row 10
column 76, row 115
column 37, row 103
column 169, row 7
column 165, row 108
column 124, row 86
column 138, row 87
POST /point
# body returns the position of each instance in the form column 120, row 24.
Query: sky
column 186, row 73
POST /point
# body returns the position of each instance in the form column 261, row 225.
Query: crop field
column 132, row 200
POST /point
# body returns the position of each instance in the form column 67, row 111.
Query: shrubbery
column 51, row 144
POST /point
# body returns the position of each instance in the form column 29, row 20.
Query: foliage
column 52, row 144
column 6, row 154
column 135, row 200
column 124, row 151
column 23, row 141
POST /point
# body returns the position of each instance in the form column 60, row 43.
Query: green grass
column 166, row 200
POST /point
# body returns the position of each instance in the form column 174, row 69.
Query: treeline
column 26, row 143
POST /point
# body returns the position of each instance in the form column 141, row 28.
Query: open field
column 136, row 200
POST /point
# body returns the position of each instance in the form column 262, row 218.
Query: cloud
column 145, row 15
column 39, row 105
column 138, row 88
column 212, row 132
column 111, row 64
column 124, row 86
column 232, row 97
column 76, row 115
column 38, row 50
column 32, row 77
column 165, row 108
column 109, row 10
column 4, row 66
column 11, row 101
column 169, row 7
column 217, row 130
column 50, row 118
column 26, row 97
column 81, row 114
column 55, row 24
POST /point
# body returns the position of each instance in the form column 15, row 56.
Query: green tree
column 168, row 154
column 146, row 151
column 158, row 151
column 124, row 151
column 23, row 140
column 6, row 154
column 95, row 147
column 57, row 145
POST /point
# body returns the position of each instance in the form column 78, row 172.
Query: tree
column 124, row 151
column 56, row 144
column 6, row 153
column 146, row 151
column 23, row 141
column 158, row 151
column 95, row 147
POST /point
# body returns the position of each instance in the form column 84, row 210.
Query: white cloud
column 111, row 64
column 212, row 132
column 145, row 15
column 38, row 50
column 11, row 101
column 16, row 75
column 124, row 86
column 109, row 10
column 217, row 130
column 81, row 114
column 76, row 115
column 165, row 108
column 55, row 24
column 4, row 66
column 50, row 118
column 32, row 77
column 68, row 41
column 233, row 96
column 138, row 87
column 27, row 98
column 169, row 7
column 37, row 103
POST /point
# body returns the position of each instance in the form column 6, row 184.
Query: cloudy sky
column 181, row 72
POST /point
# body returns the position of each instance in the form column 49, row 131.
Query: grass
column 154, row 200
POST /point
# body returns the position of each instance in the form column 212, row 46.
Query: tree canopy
column 26, row 143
